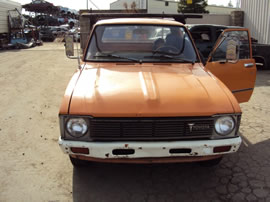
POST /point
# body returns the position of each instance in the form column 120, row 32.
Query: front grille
column 150, row 128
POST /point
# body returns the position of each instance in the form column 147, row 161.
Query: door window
column 234, row 45
column 201, row 34
column 203, row 40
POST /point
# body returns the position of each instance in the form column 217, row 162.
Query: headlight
column 224, row 125
column 77, row 127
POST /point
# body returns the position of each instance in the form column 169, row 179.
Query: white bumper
column 104, row 150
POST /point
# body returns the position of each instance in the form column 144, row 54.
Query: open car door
column 231, row 61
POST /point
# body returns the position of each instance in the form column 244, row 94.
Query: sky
column 103, row 4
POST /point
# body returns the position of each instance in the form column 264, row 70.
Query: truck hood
column 147, row 90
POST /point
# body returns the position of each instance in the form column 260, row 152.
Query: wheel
column 210, row 163
column 78, row 162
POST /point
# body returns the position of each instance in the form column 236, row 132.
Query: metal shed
column 5, row 6
column 257, row 19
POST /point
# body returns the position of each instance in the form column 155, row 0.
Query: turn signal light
column 79, row 150
column 222, row 149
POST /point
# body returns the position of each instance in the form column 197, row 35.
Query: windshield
column 141, row 43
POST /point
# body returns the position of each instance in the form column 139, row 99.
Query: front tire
column 78, row 162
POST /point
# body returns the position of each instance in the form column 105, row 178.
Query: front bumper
column 195, row 150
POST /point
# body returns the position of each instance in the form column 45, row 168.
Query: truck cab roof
column 169, row 22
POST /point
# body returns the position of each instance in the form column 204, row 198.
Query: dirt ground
column 33, row 168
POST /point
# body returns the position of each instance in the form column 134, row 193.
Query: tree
column 133, row 7
column 230, row 4
column 197, row 6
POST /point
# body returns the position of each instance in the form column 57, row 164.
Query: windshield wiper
column 170, row 57
column 118, row 56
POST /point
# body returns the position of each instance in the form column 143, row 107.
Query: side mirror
column 69, row 45
column 231, row 50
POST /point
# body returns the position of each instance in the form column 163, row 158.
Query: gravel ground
column 33, row 168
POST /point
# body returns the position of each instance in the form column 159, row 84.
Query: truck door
column 231, row 61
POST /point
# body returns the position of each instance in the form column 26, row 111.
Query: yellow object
column 128, row 35
column 189, row 1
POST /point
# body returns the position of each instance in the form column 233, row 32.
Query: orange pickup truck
column 142, row 95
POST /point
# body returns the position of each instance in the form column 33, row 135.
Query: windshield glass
column 141, row 43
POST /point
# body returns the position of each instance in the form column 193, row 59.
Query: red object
column 79, row 150
column 222, row 149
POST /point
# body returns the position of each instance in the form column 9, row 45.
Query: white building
column 256, row 14
column 5, row 6
column 118, row 5
column 169, row 7
column 257, row 19
column 218, row 14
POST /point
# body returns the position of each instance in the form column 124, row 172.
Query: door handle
column 248, row 65
column 259, row 64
